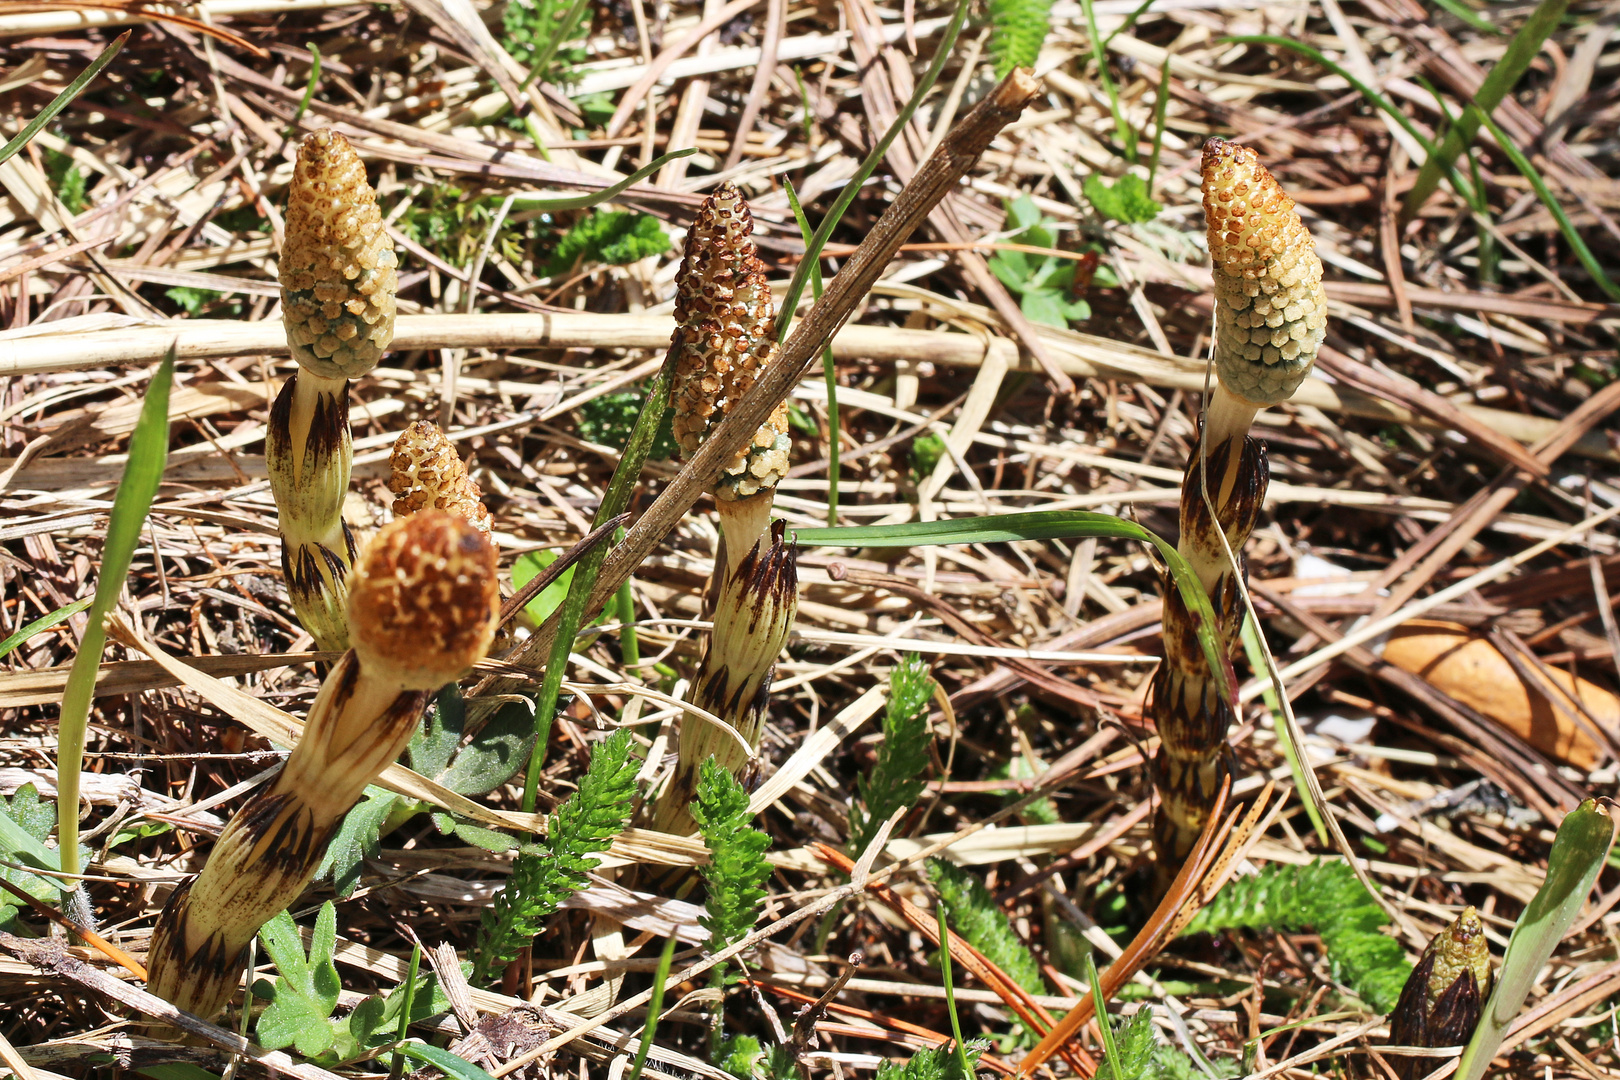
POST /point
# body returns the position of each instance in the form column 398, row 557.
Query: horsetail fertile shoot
column 422, row 611
column 338, row 282
column 724, row 339
column 1270, row 318
column 1445, row 995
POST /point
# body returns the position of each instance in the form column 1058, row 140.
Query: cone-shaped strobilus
column 1270, row 317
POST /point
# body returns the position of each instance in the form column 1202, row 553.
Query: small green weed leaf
column 303, row 1000
column 431, row 748
column 737, row 868
column 359, row 838
column 1326, row 896
column 1133, row 1048
column 609, row 420
column 176, row 1070
column 1050, row 308
column 738, row 1055
column 1127, row 200
column 25, row 823
column 528, row 567
column 1017, row 30
column 983, row 924
column 375, row 1020
column 488, row 839
column 938, row 1063
column 495, row 754
column 191, row 300
column 67, row 180
column 1578, row 853
column 612, row 236
column 547, row 873
column 1041, row 282
column 926, row 450
column 456, row 1068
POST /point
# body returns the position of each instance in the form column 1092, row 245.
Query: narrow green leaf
column 60, row 102
column 1578, row 853
column 655, row 1006
column 143, row 472
column 1044, row 525
column 812, row 251
column 1503, row 76
column 452, row 1066
column 44, row 623
column 1567, row 227
column 607, row 194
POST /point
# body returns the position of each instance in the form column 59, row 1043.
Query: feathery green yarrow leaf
column 547, row 873
column 981, row 922
column 938, row 1063
column 610, row 236
column 1018, row 28
column 737, row 867
column 902, row 754
column 1327, row 896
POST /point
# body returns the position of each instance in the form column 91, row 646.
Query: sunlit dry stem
column 1270, row 317
column 423, row 607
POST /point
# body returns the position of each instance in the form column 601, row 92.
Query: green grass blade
column 1578, row 853
column 565, row 29
column 44, row 623
column 1160, row 105
column 596, row 198
column 812, row 252
column 1099, row 53
column 309, row 89
column 1469, row 16
column 654, row 1007
column 950, row 991
column 1045, row 525
column 1130, row 21
column 1255, row 651
column 60, row 102
column 829, row 370
column 1522, row 163
column 1503, row 76
column 1373, row 97
column 572, row 615
column 148, row 454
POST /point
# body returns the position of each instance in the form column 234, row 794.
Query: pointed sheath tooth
column 425, row 601
column 308, row 453
column 724, row 339
column 338, row 268
column 1445, row 995
column 1271, row 308
column 429, row 474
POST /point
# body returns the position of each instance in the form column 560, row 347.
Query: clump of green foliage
column 609, row 419
column 485, row 762
column 1017, row 29
column 982, row 923
column 1042, row 283
column 938, row 1063
column 301, row 1002
column 26, row 821
column 1138, row 1055
column 609, row 236
column 535, row 28
column 547, row 873
column 1127, row 200
column 902, row 754
column 67, row 180
column 1327, row 896
column 926, row 450
column 449, row 222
